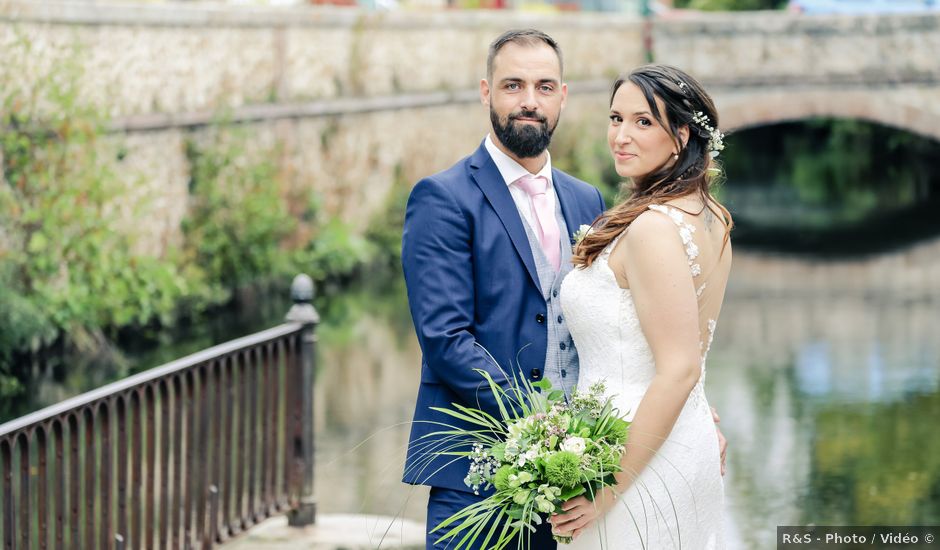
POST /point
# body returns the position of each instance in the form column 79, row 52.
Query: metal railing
column 180, row 456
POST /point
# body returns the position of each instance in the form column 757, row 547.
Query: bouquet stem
column 562, row 539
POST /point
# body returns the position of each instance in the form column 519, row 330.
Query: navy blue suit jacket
column 472, row 279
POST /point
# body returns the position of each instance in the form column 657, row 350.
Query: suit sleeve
column 600, row 199
column 437, row 260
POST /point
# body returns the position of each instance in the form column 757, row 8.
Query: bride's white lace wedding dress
column 677, row 501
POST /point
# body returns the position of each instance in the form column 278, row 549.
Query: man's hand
column 722, row 442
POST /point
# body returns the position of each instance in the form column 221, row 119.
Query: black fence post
column 302, row 311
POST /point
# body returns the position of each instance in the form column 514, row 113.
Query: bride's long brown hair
column 682, row 96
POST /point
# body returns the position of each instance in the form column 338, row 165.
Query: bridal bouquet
column 542, row 451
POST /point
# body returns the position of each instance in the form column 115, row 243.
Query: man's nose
column 529, row 100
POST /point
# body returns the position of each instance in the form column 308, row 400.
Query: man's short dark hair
column 523, row 37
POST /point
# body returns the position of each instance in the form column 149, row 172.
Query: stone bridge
column 765, row 68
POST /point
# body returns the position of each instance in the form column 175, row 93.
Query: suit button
column 554, row 293
column 562, row 345
column 536, row 374
column 540, row 318
column 559, row 319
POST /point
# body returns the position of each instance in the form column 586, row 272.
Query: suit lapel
column 568, row 202
column 484, row 173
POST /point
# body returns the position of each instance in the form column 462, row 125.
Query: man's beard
column 523, row 140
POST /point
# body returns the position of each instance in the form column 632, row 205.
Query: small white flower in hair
column 715, row 137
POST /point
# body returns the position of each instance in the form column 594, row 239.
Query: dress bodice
column 605, row 327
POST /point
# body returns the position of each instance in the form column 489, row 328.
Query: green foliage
column 246, row 224
column 589, row 160
column 334, row 251
column 238, row 217
column 385, row 230
column 21, row 324
column 731, row 5
column 70, row 260
column 66, row 268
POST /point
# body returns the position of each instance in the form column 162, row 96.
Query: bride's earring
column 675, row 156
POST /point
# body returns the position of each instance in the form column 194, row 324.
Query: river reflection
column 826, row 376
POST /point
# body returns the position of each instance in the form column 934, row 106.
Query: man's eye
column 547, row 89
column 512, row 86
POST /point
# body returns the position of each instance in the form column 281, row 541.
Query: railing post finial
column 301, row 293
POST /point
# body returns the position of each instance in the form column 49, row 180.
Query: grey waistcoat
column 561, row 357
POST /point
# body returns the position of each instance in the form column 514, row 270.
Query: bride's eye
column 615, row 119
column 644, row 122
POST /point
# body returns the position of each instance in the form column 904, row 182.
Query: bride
column 642, row 307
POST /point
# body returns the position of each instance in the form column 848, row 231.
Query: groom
column 485, row 247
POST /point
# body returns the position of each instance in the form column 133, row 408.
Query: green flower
column 563, row 469
column 544, row 505
column 618, row 431
column 501, row 477
column 516, row 480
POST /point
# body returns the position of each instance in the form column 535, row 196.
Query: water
column 831, row 187
column 826, row 375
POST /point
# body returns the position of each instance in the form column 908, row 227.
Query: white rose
column 574, row 445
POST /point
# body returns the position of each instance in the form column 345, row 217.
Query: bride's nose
column 623, row 135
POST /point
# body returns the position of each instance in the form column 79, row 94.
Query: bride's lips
column 624, row 156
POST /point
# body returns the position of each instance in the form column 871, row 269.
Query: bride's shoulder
column 651, row 227
column 655, row 218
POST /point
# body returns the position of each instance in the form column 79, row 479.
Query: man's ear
column 564, row 95
column 484, row 92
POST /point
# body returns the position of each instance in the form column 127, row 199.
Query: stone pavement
column 332, row 532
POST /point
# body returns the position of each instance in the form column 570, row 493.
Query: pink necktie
column 546, row 226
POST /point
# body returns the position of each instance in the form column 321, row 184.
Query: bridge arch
column 901, row 109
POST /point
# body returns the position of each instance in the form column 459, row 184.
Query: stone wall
column 183, row 58
column 353, row 161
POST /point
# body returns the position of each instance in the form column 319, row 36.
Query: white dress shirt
column 512, row 171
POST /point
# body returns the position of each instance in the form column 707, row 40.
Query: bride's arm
column 657, row 269
column 653, row 259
